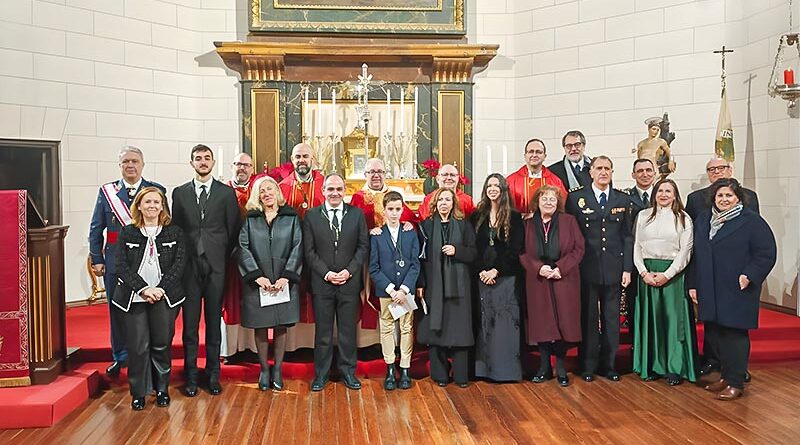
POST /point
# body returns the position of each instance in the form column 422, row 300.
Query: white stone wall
column 98, row 74
column 603, row 66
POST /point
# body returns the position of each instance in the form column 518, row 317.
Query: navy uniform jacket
column 384, row 261
column 103, row 218
column 609, row 241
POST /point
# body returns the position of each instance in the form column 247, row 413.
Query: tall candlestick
column 305, row 111
column 389, row 127
column 333, row 113
column 416, row 108
column 505, row 159
column 402, row 111
column 319, row 112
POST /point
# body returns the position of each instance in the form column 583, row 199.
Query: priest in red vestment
column 303, row 189
column 523, row 183
column 448, row 177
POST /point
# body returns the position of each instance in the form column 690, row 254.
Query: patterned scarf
column 375, row 198
column 718, row 218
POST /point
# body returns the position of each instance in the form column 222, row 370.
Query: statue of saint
column 655, row 148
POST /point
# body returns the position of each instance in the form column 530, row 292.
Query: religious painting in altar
column 360, row 16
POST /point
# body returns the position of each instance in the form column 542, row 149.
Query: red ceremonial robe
column 464, row 200
column 522, row 187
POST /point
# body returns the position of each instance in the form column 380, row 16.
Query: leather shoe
column 318, row 384
column 405, row 379
column 541, row 378
column 162, row 398
column 137, row 404
column 214, row 387
column 674, row 379
column 263, row 380
column 613, row 376
column 351, row 381
column 563, row 380
column 730, row 393
column 462, row 384
column 747, row 376
column 587, row 377
column 114, row 368
column 190, row 389
column 650, row 378
column 708, row 368
column 389, row 382
column 277, row 379
column 441, row 383
column 716, row 386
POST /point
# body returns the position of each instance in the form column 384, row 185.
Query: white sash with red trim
column 119, row 208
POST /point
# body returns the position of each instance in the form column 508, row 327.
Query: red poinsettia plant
column 280, row 172
column 429, row 168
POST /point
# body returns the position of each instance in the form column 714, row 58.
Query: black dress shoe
column 351, row 381
column 708, row 368
column 613, row 376
column 162, row 398
column 389, row 383
column 587, row 377
column 650, row 378
column 747, row 376
column 405, row 379
column 114, row 368
column 319, row 383
column 462, row 384
column 277, row 379
column 263, row 380
column 563, row 380
column 674, row 379
column 543, row 377
column 441, row 383
column 190, row 389
column 214, row 387
column 137, row 404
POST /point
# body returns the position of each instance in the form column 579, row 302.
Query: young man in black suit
column 208, row 213
column 604, row 216
column 336, row 247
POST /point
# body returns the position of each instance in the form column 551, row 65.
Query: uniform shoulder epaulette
column 575, row 188
column 625, row 191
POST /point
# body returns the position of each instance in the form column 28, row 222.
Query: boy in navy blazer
column 394, row 267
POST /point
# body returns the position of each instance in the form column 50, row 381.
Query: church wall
column 98, row 74
column 604, row 66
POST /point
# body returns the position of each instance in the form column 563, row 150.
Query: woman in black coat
column 150, row 261
column 446, row 322
column 270, row 260
column 734, row 251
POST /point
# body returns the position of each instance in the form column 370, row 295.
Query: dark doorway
column 33, row 165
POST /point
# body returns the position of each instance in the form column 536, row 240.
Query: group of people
column 529, row 262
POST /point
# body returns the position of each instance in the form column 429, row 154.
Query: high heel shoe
column 263, row 380
column 277, row 379
column 563, row 380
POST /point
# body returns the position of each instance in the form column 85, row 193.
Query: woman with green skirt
column 663, row 345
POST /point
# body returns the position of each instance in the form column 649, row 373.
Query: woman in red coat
column 553, row 251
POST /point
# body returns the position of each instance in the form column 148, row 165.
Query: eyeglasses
column 575, row 145
column 718, row 168
column 242, row 164
column 375, row 172
column 448, row 175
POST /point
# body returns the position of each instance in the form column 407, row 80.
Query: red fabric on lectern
column 13, row 285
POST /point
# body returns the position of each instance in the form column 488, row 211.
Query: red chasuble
column 371, row 203
column 522, row 187
column 464, row 200
column 303, row 195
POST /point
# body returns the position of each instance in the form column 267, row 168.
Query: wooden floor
column 630, row 411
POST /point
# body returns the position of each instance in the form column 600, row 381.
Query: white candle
column 221, row 163
column 305, row 111
column 488, row 160
column 333, row 117
column 416, row 107
column 319, row 112
column 402, row 111
column 389, row 128
column 505, row 159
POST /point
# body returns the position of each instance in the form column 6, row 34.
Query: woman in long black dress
column 446, row 322
column 499, row 240
column 270, row 258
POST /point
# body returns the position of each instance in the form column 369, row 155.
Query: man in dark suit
column 336, row 247
column 604, row 216
column 111, row 214
column 208, row 213
column 573, row 170
column 696, row 203
column 644, row 174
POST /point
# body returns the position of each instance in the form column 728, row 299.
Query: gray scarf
column 571, row 178
column 718, row 219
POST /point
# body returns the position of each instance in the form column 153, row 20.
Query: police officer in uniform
column 111, row 214
column 604, row 216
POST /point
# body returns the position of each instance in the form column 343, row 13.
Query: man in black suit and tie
column 604, row 216
column 208, row 213
column 336, row 247
column 573, row 170
column 644, row 173
column 697, row 201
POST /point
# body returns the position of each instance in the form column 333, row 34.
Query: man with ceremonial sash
column 448, row 177
column 523, row 183
column 303, row 189
column 111, row 214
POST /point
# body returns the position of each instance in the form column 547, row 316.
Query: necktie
column 335, row 223
column 603, row 199
column 203, row 199
column 578, row 170
column 646, row 199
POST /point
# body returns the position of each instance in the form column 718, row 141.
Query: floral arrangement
column 430, row 168
column 280, row 172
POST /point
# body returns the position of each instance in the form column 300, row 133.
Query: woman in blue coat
column 734, row 251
